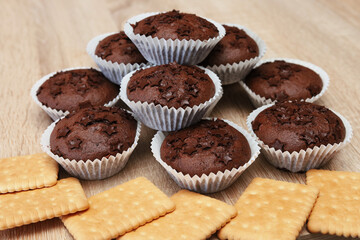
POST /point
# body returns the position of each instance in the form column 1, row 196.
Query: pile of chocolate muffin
column 171, row 67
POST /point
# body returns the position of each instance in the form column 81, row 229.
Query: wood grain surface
column 39, row 37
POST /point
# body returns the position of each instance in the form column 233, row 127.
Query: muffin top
column 280, row 80
column 235, row 47
column 206, row 147
column 298, row 125
column 171, row 85
column 119, row 48
column 72, row 89
column 93, row 133
column 175, row 25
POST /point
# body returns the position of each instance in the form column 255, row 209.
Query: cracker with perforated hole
column 119, row 210
column 196, row 217
column 337, row 210
column 21, row 208
column 27, row 172
column 270, row 209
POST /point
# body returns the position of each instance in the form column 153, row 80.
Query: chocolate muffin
column 235, row 47
column 175, row 25
column 119, row 48
column 72, row 89
column 93, row 133
column 206, row 147
column 280, row 80
column 298, row 125
column 171, row 85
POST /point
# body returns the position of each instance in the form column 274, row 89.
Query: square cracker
column 21, row 208
column 119, row 210
column 27, row 172
column 270, row 209
column 196, row 217
column 337, row 210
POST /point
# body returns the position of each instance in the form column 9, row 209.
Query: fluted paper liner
column 213, row 182
column 234, row 72
column 90, row 169
column 54, row 113
column 259, row 101
column 163, row 118
column 112, row 70
column 161, row 51
column 304, row 159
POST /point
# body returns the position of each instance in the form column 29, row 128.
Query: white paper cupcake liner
column 161, row 51
column 54, row 113
column 259, row 101
column 112, row 70
column 213, row 182
column 90, row 169
column 235, row 72
column 163, row 118
column 304, row 159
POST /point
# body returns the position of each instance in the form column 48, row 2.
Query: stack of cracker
column 119, row 210
column 31, row 192
column 139, row 210
column 337, row 210
column 270, row 209
column 196, row 217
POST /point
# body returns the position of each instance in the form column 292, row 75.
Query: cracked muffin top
column 280, row 80
column 93, row 133
column 298, row 125
column 119, row 48
column 175, row 25
column 235, row 47
column 72, row 89
column 171, row 85
column 206, row 147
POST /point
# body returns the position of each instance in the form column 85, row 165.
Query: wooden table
column 38, row 37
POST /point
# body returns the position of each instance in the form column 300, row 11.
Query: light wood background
column 39, row 37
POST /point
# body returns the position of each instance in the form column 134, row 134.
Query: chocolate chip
column 85, row 104
column 109, row 130
column 168, row 96
column 281, row 96
column 226, row 158
column 57, row 151
column 163, row 84
column 74, row 143
column 143, row 84
column 278, row 145
column 63, row 132
column 190, row 145
column 116, row 146
column 55, row 90
column 285, row 72
column 273, row 82
column 185, row 102
column 59, row 81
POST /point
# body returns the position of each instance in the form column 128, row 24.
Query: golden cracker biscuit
column 27, row 172
column 270, row 209
column 337, row 210
column 119, row 210
column 196, row 217
column 25, row 207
